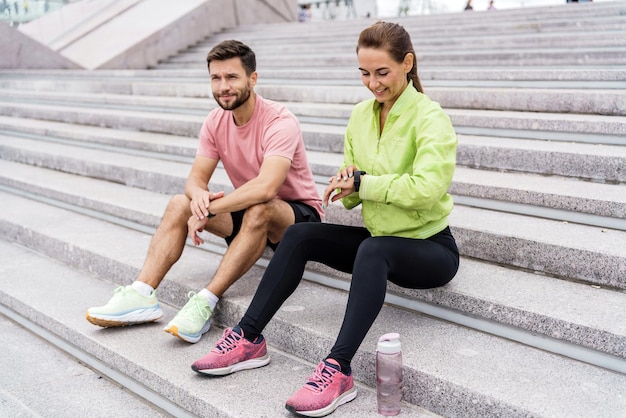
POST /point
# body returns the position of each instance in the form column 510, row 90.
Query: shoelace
column 228, row 342
column 321, row 378
column 195, row 307
column 122, row 290
column 119, row 295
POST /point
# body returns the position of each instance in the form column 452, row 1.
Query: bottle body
column 389, row 383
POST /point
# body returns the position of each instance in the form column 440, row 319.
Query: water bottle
column 389, row 374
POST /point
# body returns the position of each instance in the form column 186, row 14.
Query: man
column 260, row 145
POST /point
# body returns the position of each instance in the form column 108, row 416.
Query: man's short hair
column 233, row 49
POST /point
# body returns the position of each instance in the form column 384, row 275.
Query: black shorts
column 302, row 212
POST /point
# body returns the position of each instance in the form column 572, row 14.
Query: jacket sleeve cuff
column 370, row 185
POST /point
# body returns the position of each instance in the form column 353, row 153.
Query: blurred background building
column 343, row 9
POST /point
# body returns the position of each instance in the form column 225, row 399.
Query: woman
column 399, row 158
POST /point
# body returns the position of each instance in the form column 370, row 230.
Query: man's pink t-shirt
column 272, row 130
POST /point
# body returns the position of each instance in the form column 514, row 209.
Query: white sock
column 143, row 288
column 210, row 297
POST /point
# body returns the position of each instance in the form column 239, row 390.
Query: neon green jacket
column 409, row 167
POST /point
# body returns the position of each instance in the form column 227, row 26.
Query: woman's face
column 384, row 77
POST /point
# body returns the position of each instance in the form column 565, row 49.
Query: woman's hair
column 396, row 41
column 233, row 49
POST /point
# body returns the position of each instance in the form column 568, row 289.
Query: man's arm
column 197, row 188
column 260, row 189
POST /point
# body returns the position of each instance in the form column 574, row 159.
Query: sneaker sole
column 173, row 329
column 342, row 399
column 133, row 318
column 244, row 365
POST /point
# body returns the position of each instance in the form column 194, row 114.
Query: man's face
column 230, row 85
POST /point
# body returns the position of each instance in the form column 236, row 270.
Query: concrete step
column 615, row 55
column 610, row 130
column 596, row 162
column 478, row 288
column 159, row 370
column 66, row 154
column 444, row 364
column 591, row 36
column 450, row 26
column 599, row 163
column 22, row 138
column 337, row 101
column 71, row 389
column 319, row 41
column 506, row 52
column 123, row 81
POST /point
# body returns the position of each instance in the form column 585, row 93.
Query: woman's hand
column 340, row 185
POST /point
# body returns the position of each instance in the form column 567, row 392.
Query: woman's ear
column 408, row 62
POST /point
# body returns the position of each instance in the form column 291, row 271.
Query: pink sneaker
column 233, row 353
column 326, row 390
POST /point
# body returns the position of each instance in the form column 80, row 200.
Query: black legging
column 407, row 262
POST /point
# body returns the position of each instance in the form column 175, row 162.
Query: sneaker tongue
column 333, row 364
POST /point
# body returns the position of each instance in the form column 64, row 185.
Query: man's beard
column 240, row 99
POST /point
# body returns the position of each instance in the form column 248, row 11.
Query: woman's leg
column 334, row 245
column 410, row 263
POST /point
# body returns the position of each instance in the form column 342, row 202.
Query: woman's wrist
column 357, row 179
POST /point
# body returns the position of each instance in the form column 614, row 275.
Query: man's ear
column 253, row 78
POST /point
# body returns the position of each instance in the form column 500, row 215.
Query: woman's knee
column 372, row 249
column 300, row 232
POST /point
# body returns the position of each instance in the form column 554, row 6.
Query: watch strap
column 357, row 179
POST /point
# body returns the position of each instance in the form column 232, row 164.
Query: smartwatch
column 357, row 179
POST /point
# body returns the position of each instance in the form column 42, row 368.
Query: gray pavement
column 39, row 380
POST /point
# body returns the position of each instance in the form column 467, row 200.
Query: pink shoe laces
column 321, row 378
column 229, row 341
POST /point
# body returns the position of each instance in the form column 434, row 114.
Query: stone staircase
column 534, row 324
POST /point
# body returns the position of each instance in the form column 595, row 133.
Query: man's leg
column 263, row 222
column 260, row 223
column 167, row 242
column 137, row 303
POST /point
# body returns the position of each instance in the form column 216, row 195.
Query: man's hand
column 194, row 227
column 200, row 203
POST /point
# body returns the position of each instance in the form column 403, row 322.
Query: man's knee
column 178, row 208
column 257, row 216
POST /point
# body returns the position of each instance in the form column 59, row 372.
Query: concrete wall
column 60, row 28
column 136, row 34
column 20, row 51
